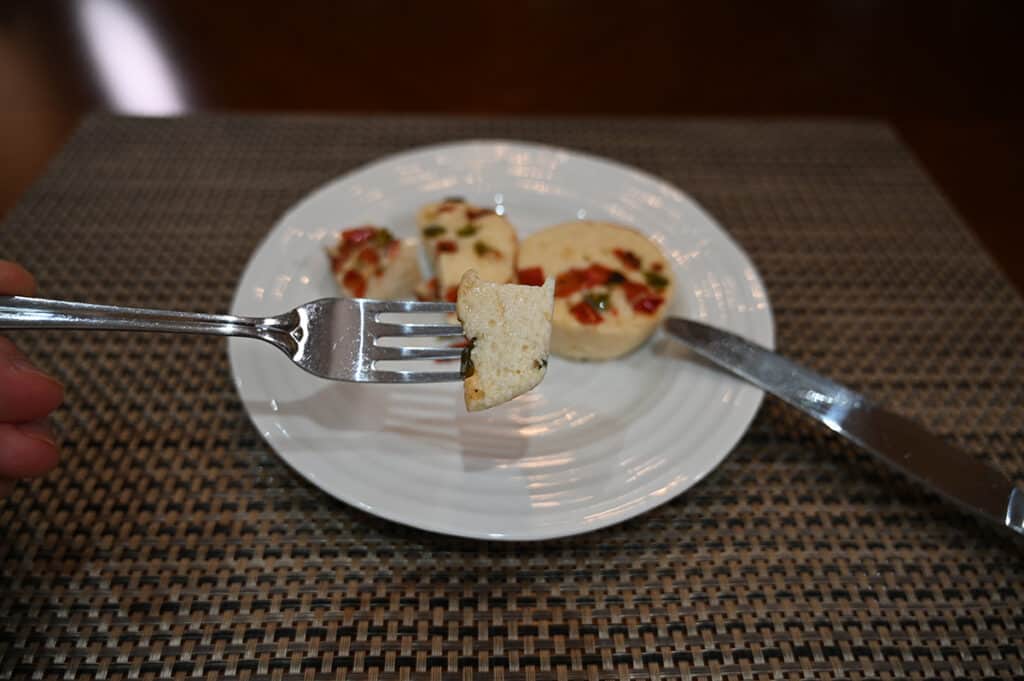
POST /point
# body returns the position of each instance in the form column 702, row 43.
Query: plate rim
column 547, row 532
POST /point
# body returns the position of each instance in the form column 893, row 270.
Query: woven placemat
column 172, row 543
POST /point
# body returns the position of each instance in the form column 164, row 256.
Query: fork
column 335, row 338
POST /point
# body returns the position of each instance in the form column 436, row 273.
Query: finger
column 27, row 449
column 15, row 280
column 26, row 393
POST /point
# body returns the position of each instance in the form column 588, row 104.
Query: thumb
column 15, row 280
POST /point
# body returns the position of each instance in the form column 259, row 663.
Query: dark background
column 945, row 74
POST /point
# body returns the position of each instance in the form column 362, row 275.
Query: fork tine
column 385, row 306
column 415, row 376
column 381, row 329
column 385, row 352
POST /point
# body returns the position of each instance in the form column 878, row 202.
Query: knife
column 955, row 475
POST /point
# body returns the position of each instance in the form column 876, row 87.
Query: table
column 937, row 72
column 173, row 543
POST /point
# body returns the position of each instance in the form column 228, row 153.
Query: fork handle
column 19, row 312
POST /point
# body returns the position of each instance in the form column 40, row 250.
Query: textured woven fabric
column 173, row 543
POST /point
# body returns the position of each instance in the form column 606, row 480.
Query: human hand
column 27, row 395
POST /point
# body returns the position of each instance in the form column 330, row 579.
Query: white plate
column 595, row 444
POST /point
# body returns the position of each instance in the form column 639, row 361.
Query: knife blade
column 955, row 475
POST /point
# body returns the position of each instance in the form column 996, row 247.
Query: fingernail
column 39, row 430
column 22, row 364
column 6, row 487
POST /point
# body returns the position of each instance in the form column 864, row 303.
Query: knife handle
column 1015, row 511
column 957, row 476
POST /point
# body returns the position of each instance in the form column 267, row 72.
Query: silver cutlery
column 335, row 338
column 953, row 474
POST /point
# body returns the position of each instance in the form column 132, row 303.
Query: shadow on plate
column 530, row 427
column 669, row 348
